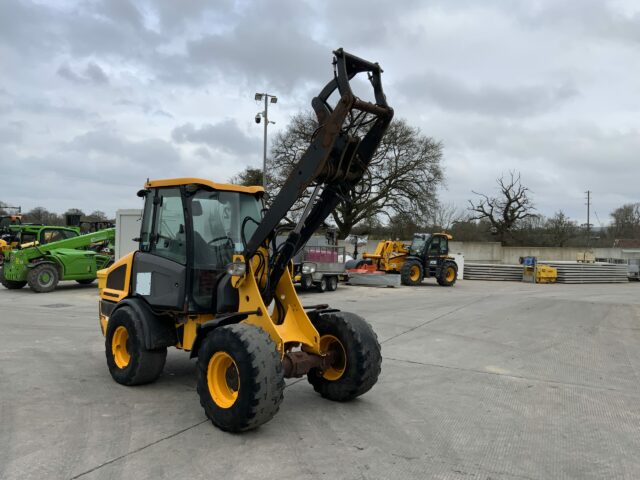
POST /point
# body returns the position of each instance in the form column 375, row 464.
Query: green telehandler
column 43, row 266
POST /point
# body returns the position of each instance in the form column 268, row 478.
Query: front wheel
column 10, row 284
column 448, row 275
column 357, row 356
column 43, row 278
column 306, row 282
column 129, row 361
column 332, row 284
column 240, row 377
column 411, row 273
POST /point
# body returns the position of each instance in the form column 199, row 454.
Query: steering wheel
column 217, row 239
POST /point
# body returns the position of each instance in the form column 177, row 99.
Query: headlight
column 308, row 268
column 236, row 269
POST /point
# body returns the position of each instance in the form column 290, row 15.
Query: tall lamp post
column 268, row 98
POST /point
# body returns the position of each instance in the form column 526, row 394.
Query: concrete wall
column 493, row 252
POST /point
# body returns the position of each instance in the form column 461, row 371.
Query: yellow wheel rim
column 329, row 343
column 119, row 347
column 223, row 379
column 414, row 273
column 451, row 274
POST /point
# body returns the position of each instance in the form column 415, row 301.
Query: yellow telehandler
column 209, row 277
column 426, row 257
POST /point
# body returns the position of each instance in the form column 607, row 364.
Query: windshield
column 418, row 243
column 219, row 218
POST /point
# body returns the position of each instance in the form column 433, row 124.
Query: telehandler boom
column 42, row 266
column 210, row 278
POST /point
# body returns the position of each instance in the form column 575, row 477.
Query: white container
column 459, row 258
column 128, row 223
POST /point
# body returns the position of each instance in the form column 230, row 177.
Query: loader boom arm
column 333, row 164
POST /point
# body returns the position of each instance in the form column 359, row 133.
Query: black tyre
column 322, row 285
column 129, row 362
column 306, row 282
column 411, row 273
column 240, row 377
column 86, row 281
column 363, row 263
column 43, row 278
column 332, row 283
column 10, row 284
column 358, row 357
column 448, row 274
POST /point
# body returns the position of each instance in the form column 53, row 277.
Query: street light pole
column 264, row 150
column 268, row 98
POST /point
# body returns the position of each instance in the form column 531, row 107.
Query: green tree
column 626, row 221
column 560, row 229
column 248, row 177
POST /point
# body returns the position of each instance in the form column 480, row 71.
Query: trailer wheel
column 43, row 278
column 10, row 284
column 306, row 282
column 332, row 284
column 358, row 359
column 322, row 285
column 86, row 281
column 411, row 273
column 240, row 377
column 448, row 275
column 129, row 362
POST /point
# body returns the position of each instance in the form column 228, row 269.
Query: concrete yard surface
column 485, row 380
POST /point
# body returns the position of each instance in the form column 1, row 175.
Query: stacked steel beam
column 489, row 271
column 573, row 272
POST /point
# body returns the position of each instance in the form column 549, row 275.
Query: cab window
column 49, row 236
column 169, row 238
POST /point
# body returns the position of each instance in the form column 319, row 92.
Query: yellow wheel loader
column 209, row 277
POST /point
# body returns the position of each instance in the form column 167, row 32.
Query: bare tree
column 41, row 215
column 505, row 211
column 402, row 178
column 444, row 216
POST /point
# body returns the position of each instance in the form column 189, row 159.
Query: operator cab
column 189, row 234
column 429, row 245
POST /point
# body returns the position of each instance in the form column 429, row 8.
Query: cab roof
column 172, row 182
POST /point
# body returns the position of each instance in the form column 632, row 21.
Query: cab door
column 160, row 265
column 437, row 251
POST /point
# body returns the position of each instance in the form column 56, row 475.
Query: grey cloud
column 452, row 94
column 151, row 152
column 11, row 133
column 92, row 74
column 225, row 136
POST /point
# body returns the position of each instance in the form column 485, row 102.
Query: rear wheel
column 332, row 284
column 411, row 273
column 448, row 275
column 240, row 377
column 129, row 362
column 86, row 281
column 357, row 357
column 322, row 285
column 43, row 278
column 10, row 284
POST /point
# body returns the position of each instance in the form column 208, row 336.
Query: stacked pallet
column 573, row 272
column 496, row 272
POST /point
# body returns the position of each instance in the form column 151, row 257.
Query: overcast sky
column 96, row 96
